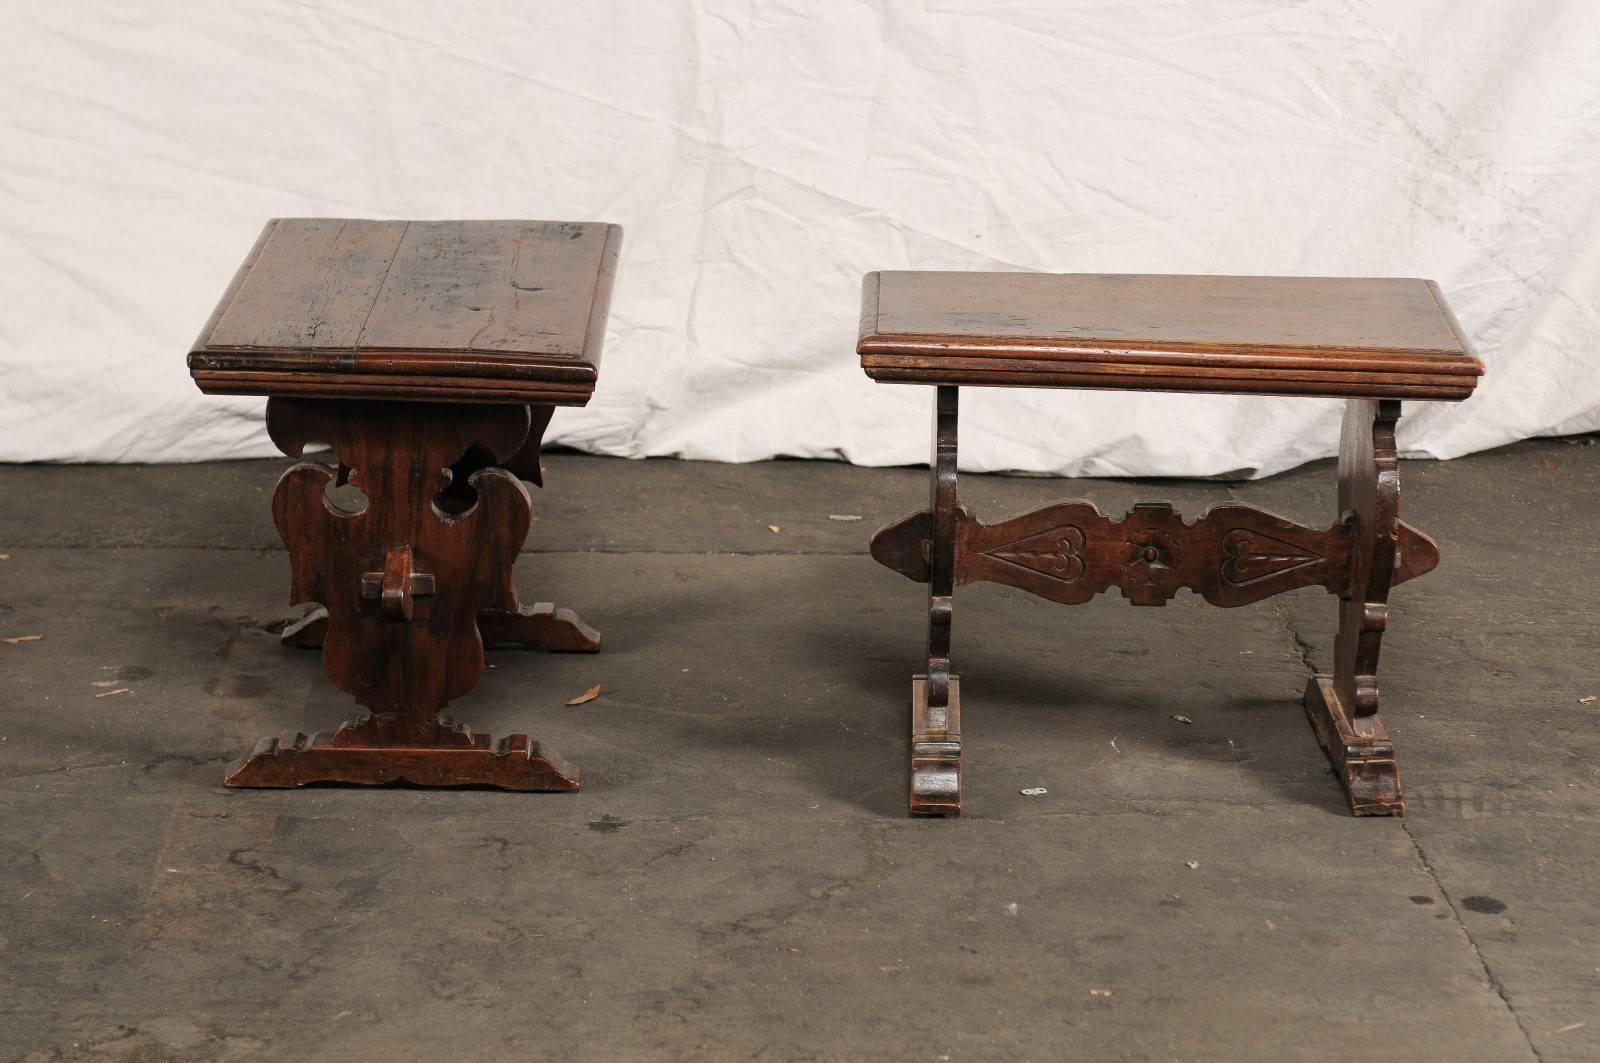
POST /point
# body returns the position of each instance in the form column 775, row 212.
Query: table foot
column 538, row 627
column 1364, row 763
column 935, row 754
column 307, row 633
column 380, row 749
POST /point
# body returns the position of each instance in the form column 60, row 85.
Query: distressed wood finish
column 1372, row 342
column 430, row 357
column 445, row 311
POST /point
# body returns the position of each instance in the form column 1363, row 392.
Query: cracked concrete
column 737, row 879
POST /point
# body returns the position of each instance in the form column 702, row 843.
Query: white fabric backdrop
column 762, row 156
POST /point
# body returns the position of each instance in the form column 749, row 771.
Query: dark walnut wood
column 509, row 623
column 1331, row 336
column 404, row 583
column 450, row 311
column 377, row 749
column 936, row 706
column 429, row 356
column 1351, row 338
column 935, row 750
column 1343, row 708
column 1069, row 552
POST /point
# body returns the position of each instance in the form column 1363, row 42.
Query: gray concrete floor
column 737, row 880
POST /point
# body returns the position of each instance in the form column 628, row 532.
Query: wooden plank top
column 1334, row 336
column 469, row 311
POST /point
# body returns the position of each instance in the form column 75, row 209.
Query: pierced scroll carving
column 404, row 585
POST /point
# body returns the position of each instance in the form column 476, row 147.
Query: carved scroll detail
column 404, row 579
column 1069, row 552
column 1056, row 553
column 1256, row 555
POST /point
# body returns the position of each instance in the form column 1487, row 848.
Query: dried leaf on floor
column 1590, row 700
column 1181, row 718
column 13, row 640
column 586, row 697
column 108, row 693
column 5, row 557
column 1192, row 865
column 774, row 529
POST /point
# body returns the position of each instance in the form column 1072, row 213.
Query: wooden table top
column 466, row 311
column 1332, row 336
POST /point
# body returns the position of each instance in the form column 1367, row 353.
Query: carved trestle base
column 377, row 750
column 1364, row 763
column 410, row 587
column 1231, row 555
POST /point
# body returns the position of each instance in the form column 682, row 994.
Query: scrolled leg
column 935, row 725
column 1343, row 707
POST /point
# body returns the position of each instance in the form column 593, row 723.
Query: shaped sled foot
column 935, row 753
column 1364, row 763
column 380, row 749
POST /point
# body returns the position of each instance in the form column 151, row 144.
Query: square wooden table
column 430, row 356
column 1370, row 341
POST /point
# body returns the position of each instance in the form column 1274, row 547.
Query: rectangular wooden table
column 1372, row 342
column 430, row 356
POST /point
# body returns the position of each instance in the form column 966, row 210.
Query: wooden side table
column 1372, row 342
column 430, row 356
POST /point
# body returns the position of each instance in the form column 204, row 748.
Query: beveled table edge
column 375, row 373
column 1040, row 361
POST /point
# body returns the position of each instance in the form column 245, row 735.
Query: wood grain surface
column 1331, row 336
column 468, row 311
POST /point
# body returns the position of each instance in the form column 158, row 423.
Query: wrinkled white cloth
column 762, row 156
